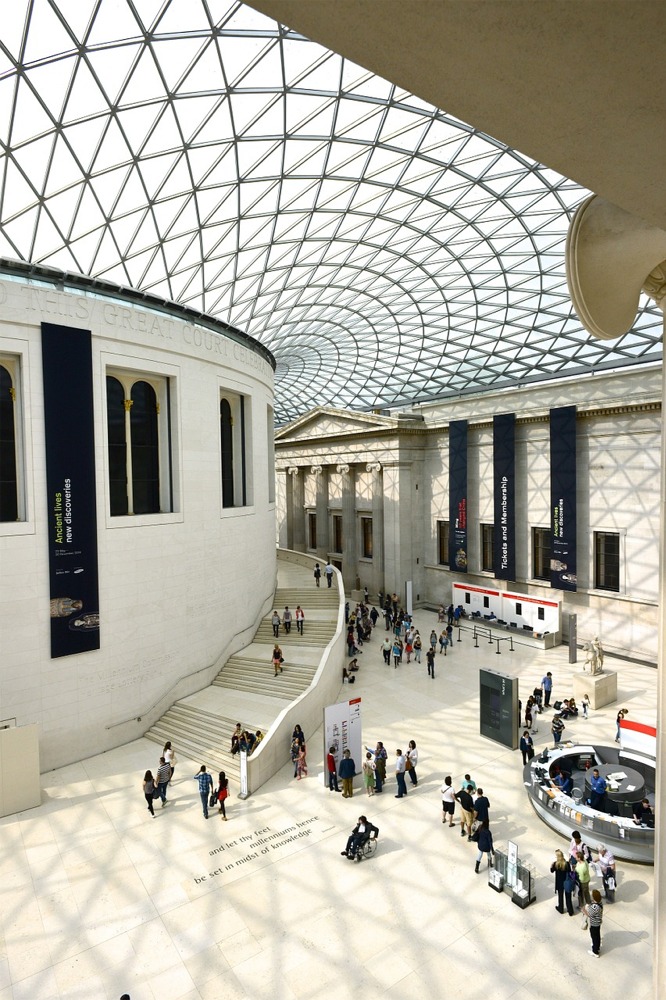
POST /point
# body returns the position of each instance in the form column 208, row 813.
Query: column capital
column 316, row 470
column 292, row 470
column 373, row 467
column 342, row 467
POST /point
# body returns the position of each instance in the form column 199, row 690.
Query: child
column 585, row 702
column 369, row 773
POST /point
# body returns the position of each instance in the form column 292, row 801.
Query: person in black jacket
column 526, row 746
column 484, row 839
column 565, row 882
column 363, row 831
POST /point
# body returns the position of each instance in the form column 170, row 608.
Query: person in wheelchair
column 362, row 832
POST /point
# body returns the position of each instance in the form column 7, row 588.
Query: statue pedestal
column 601, row 688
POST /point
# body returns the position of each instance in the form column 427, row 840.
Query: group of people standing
column 373, row 770
column 474, row 815
column 572, row 875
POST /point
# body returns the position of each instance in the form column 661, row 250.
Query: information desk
column 565, row 813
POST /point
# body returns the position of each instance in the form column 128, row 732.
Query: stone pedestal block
column 601, row 688
column 20, row 786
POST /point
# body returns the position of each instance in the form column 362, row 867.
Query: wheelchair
column 366, row 849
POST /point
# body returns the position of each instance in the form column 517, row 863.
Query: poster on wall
column 458, row 495
column 70, row 489
column 504, row 474
column 342, row 731
column 563, row 574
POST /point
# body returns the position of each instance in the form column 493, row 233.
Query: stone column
column 323, row 528
column 398, row 514
column 349, row 527
column 377, row 529
column 295, row 509
column 282, row 508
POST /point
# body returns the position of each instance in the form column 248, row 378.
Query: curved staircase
column 246, row 689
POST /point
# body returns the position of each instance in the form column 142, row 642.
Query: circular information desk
column 629, row 788
column 565, row 813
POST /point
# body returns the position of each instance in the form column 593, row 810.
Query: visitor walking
column 205, row 787
column 149, row 791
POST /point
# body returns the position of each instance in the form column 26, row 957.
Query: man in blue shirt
column 598, row 786
column 205, row 787
column 547, row 686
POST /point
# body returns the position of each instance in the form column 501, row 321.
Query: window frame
column 242, row 480
column 12, row 365
column 487, row 550
column 337, row 533
column 366, row 529
column 538, row 534
column 163, row 385
column 599, row 556
column 443, row 535
column 311, row 529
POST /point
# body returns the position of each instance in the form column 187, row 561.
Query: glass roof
column 383, row 250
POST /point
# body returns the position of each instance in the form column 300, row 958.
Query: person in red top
column 332, row 769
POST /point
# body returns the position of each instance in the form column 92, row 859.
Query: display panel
column 498, row 708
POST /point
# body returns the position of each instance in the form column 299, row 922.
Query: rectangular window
column 366, row 537
column 541, row 539
column 312, row 530
column 487, row 557
column 337, row 533
column 606, row 560
column 443, row 543
column 138, row 420
column 519, row 608
column 235, row 449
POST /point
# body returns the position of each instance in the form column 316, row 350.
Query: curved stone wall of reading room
column 137, row 523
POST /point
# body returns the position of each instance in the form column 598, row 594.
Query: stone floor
column 98, row 898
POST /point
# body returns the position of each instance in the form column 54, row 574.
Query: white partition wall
column 19, row 769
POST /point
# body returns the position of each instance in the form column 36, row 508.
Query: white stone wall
column 178, row 591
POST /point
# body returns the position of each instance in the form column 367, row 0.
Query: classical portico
column 350, row 484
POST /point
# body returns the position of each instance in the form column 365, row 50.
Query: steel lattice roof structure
column 383, row 250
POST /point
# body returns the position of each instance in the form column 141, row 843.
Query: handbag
column 569, row 884
column 213, row 799
column 408, row 764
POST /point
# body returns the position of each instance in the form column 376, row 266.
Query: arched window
column 227, row 445
column 8, row 463
column 145, row 449
column 235, row 449
column 139, row 444
column 115, row 421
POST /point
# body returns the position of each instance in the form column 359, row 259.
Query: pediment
column 326, row 422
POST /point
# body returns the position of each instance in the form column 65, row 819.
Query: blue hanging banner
column 70, row 489
column 458, row 496
column 504, row 474
column 563, row 574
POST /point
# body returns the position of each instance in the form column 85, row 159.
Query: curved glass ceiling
column 384, row 251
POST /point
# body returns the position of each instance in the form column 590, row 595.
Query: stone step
column 198, row 734
column 274, row 687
